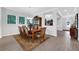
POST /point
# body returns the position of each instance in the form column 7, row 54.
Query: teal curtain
column 21, row 20
column 11, row 19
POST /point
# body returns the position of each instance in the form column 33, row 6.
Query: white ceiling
column 67, row 11
column 31, row 11
column 28, row 10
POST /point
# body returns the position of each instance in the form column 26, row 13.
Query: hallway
column 62, row 42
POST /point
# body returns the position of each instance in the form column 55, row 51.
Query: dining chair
column 27, row 34
column 21, row 31
column 41, row 35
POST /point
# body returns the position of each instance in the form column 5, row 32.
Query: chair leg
column 43, row 38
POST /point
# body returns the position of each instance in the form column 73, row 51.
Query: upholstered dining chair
column 41, row 35
column 27, row 34
column 21, row 31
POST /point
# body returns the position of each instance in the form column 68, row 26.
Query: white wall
column 59, row 22
column 0, row 22
column 10, row 29
column 50, row 30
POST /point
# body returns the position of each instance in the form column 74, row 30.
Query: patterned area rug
column 28, row 44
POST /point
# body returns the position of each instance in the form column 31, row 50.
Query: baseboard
column 0, row 37
column 9, row 34
column 51, row 35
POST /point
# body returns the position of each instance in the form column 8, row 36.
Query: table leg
column 33, row 36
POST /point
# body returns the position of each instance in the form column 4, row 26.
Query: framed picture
column 11, row 19
column 48, row 20
column 21, row 20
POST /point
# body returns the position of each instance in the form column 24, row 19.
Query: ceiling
column 31, row 11
column 67, row 11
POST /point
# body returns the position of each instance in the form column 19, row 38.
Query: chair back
column 21, row 30
column 25, row 30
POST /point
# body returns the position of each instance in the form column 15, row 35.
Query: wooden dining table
column 33, row 31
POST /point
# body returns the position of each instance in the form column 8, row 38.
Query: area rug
column 28, row 44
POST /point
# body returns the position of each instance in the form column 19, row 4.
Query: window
column 21, row 20
column 29, row 21
column 68, row 23
column 11, row 19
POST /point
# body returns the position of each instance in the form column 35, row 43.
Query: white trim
column 0, row 37
column 10, row 34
